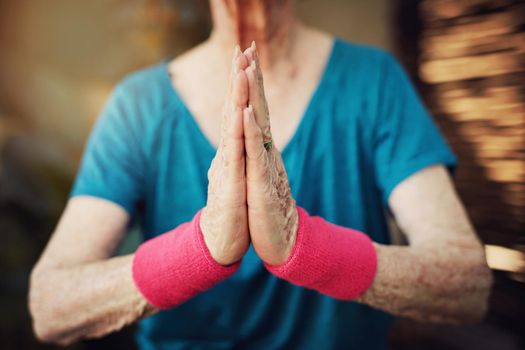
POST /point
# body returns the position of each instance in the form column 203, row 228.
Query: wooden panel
column 473, row 57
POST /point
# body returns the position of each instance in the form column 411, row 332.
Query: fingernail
column 253, row 66
column 253, row 45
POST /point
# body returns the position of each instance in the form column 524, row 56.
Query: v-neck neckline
column 308, row 112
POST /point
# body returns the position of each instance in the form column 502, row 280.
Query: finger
column 237, row 101
column 256, row 157
column 239, row 63
column 231, row 148
column 233, row 135
column 232, row 152
column 240, row 91
column 258, row 98
column 249, row 53
column 235, row 66
column 232, row 71
column 242, row 62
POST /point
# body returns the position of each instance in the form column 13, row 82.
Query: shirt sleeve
column 406, row 139
column 112, row 164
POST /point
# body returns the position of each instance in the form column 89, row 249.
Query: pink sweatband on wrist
column 173, row 267
column 334, row 260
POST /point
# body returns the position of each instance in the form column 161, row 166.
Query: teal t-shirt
column 364, row 131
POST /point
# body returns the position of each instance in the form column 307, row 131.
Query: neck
column 270, row 23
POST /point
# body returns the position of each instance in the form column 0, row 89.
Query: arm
column 76, row 289
column 442, row 275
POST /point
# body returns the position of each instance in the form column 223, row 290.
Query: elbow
column 45, row 319
column 480, row 309
column 473, row 314
column 473, row 306
column 47, row 335
column 461, row 295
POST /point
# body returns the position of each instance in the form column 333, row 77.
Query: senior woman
column 282, row 241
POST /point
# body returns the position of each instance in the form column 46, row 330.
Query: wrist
column 171, row 268
column 334, row 260
column 289, row 235
column 221, row 248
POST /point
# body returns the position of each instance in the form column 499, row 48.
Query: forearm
column 89, row 300
column 93, row 299
column 446, row 283
column 446, row 280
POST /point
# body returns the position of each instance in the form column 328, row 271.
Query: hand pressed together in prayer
column 249, row 196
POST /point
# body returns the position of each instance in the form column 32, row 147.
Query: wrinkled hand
column 272, row 215
column 224, row 221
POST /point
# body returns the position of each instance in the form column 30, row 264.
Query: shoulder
column 140, row 99
column 361, row 61
column 371, row 73
column 135, row 106
column 359, row 74
column 365, row 78
column 360, row 51
column 147, row 85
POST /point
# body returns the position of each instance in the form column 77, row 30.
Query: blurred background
column 60, row 59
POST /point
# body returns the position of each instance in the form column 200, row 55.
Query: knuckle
column 255, row 135
column 262, row 156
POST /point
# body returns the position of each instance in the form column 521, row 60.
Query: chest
column 288, row 100
column 327, row 169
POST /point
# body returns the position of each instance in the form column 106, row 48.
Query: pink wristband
column 334, row 260
column 173, row 267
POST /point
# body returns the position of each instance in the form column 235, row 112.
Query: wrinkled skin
column 224, row 220
column 272, row 215
column 248, row 185
column 79, row 289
